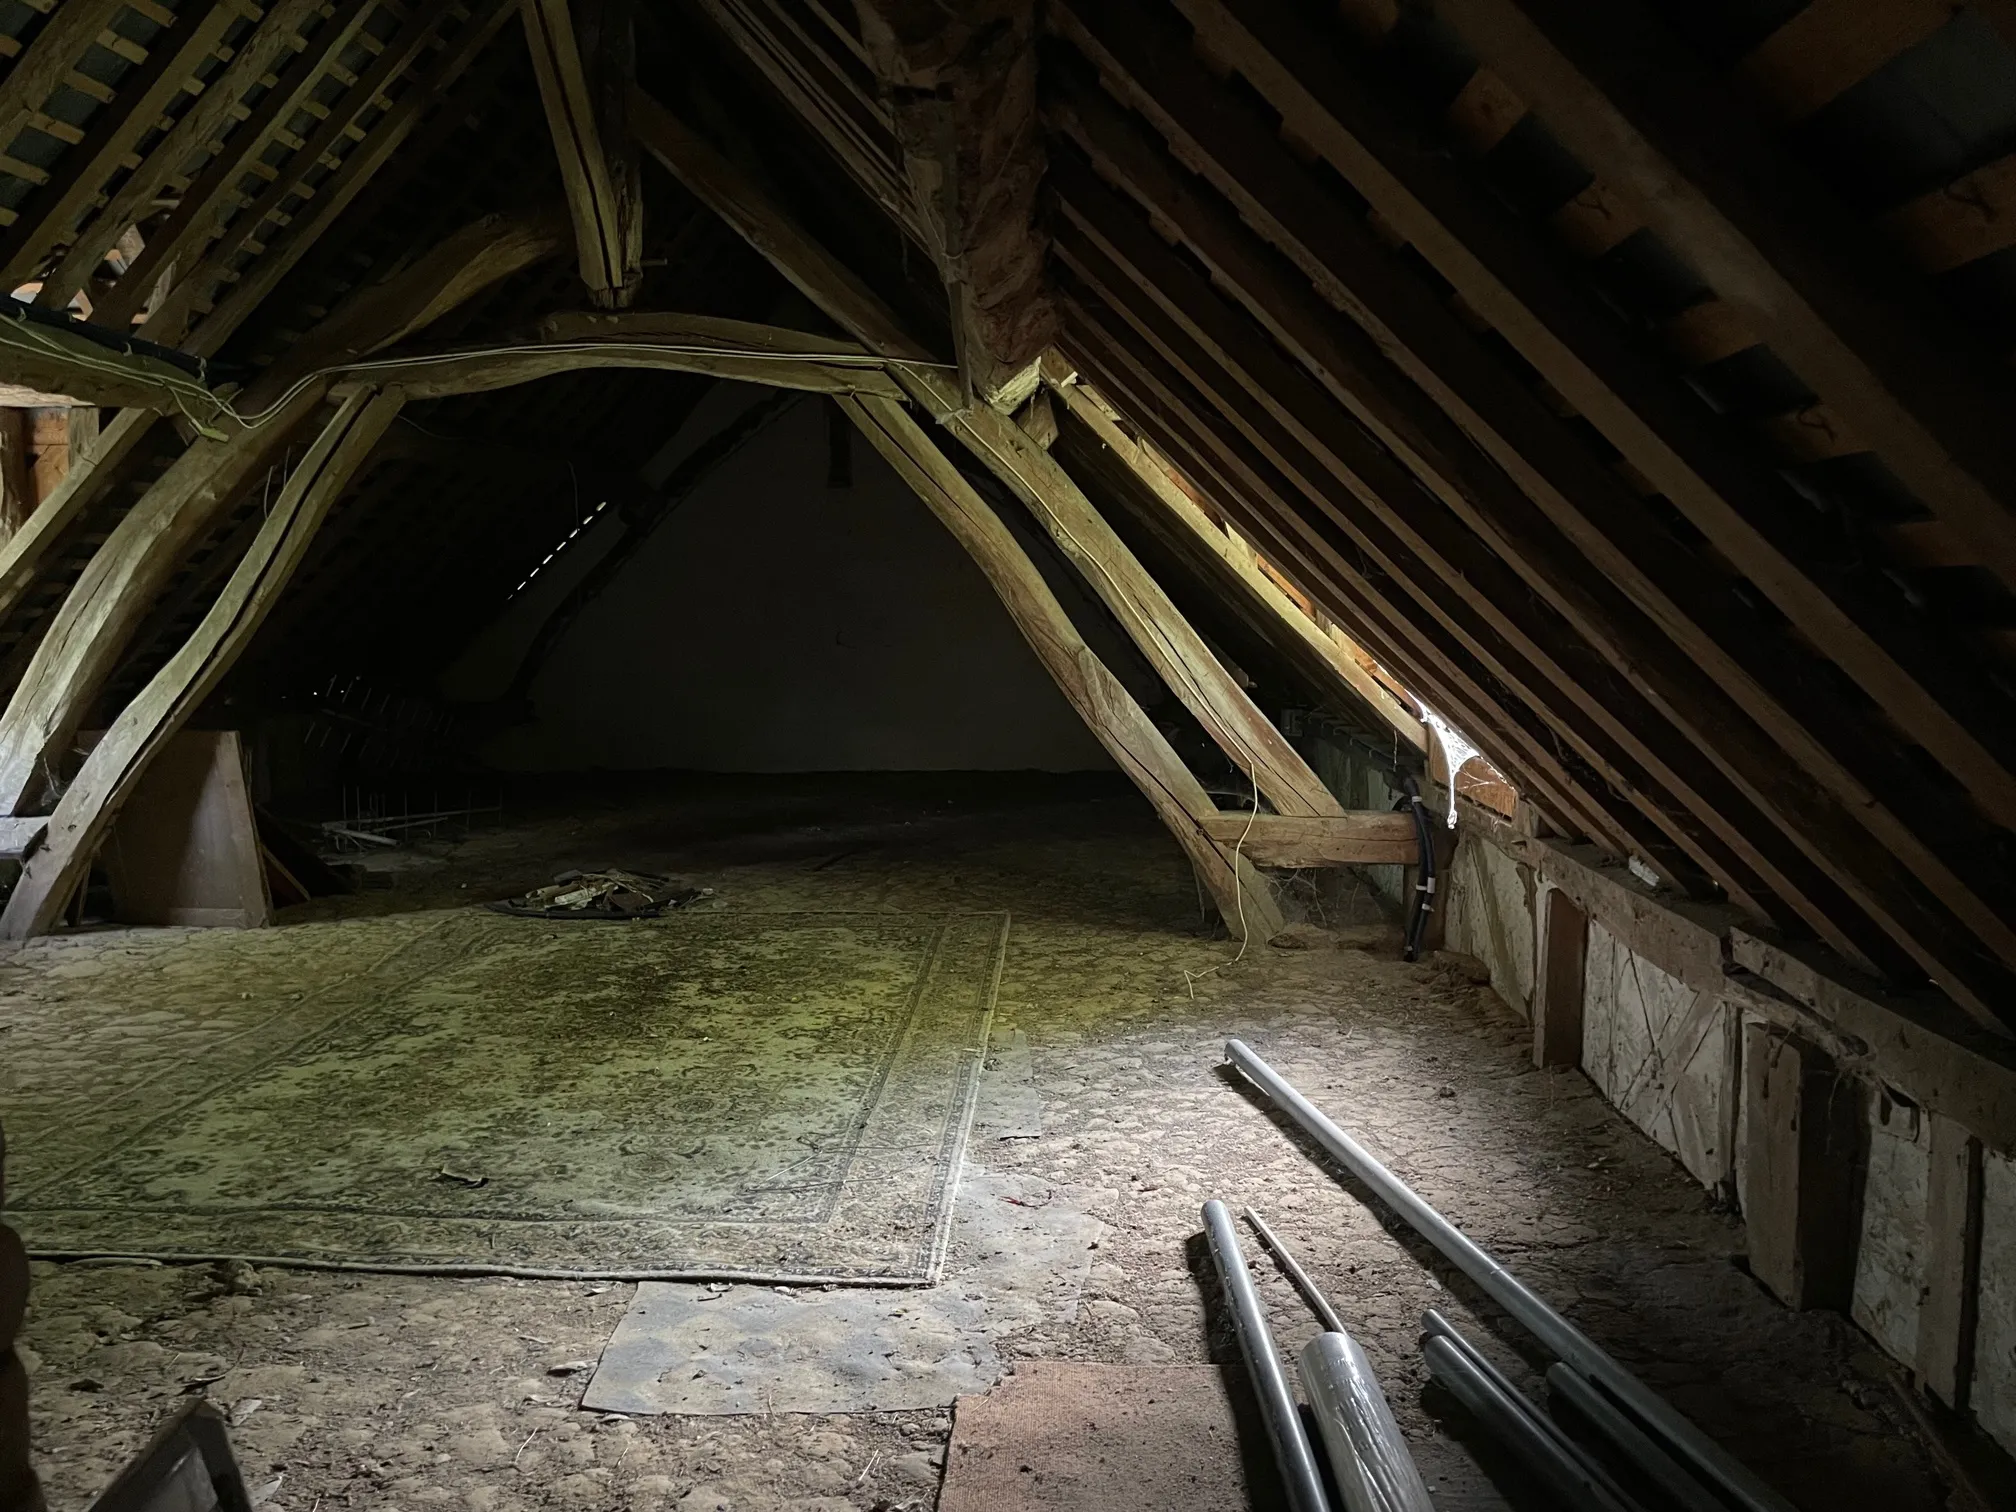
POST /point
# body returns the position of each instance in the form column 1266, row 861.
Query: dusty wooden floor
column 389, row 1392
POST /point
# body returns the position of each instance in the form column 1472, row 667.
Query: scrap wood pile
column 608, row 894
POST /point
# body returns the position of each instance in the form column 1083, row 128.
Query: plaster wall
column 1890, row 1273
column 773, row 624
column 1995, row 1338
column 1489, row 901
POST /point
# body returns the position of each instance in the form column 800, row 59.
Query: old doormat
column 755, row 1096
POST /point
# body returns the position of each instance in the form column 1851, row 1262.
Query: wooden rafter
column 1243, row 895
column 119, row 761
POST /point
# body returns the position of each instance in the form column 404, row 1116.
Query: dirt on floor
column 399, row 1391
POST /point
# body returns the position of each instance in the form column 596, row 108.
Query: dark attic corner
column 1101, row 756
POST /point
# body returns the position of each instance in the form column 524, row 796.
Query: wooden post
column 603, row 220
column 1804, row 1143
column 1242, row 892
column 1558, row 980
column 1946, row 1318
column 55, row 872
column 17, row 502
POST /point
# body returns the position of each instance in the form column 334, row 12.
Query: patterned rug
column 713, row 1094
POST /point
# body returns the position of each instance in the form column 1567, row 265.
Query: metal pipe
column 1368, row 1454
column 1434, row 1325
column 1563, row 1473
column 1311, row 1293
column 1640, row 1448
column 1716, row 1467
column 1297, row 1462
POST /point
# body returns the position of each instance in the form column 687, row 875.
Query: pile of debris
column 607, row 894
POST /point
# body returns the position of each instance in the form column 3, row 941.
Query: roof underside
column 1631, row 381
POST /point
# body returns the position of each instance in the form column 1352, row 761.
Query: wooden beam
column 1189, row 517
column 608, row 226
column 209, row 116
column 1177, row 653
column 1336, row 573
column 289, row 241
column 83, row 485
column 63, row 361
column 1829, row 46
column 1952, row 1295
column 117, row 763
column 17, row 498
column 50, row 217
column 50, row 55
column 1191, row 671
column 179, row 238
column 462, row 265
column 1618, row 91
column 1342, row 839
column 1772, row 679
column 1804, row 1146
column 1961, row 222
column 1243, row 895
column 961, row 89
column 90, row 632
column 1558, row 975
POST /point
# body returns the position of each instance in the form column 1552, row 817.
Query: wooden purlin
column 51, row 53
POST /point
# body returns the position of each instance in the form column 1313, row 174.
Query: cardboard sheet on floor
column 1020, row 1253
column 1064, row 1436
column 1010, row 1106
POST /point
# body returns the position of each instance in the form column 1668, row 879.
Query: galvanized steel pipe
column 1715, row 1466
column 1631, row 1441
column 1512, row 1425
column 1297, row 1462
column 1369, row 1458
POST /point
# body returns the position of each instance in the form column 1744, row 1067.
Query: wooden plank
column 180, row 238
column 1346, row 581
column 17, row 497
column 185, row 848
column 208, row 116
column 118, row 763
column 90, row 632
column 1559, row 979
column 1185, row 512
column 1970, row 218
column 1343, row 839
column 20, row 836
column 1803, row 1138
column 1242, row 894
column 1830, row 46
column 607, row 232
column 1952, row 1294
column 50, row 217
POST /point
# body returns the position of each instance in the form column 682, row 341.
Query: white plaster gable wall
column 1491, row 917
column 1890, row 1265
column 1995, row 1338
column 1662, row 1053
